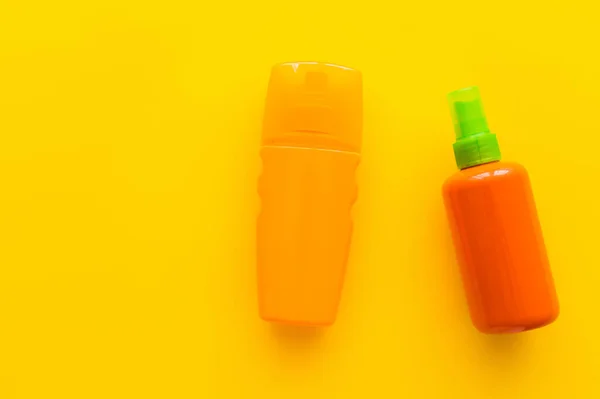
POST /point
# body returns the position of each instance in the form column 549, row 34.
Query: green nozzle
column 474, row 145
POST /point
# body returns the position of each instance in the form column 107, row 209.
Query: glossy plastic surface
column 311, row 144
column 500, row 248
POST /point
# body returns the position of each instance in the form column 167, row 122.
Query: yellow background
column 129, row 135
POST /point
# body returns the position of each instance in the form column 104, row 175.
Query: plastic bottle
column 310, row 151
column 495, row 228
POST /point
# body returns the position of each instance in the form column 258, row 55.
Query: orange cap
column 314, row 97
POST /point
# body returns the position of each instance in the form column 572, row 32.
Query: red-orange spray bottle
column 310, row 150
column 495, row 228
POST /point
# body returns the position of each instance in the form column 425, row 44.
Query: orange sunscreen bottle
column 495, row 228
column 310, row 151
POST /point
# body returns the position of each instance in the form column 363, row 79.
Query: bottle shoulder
column 309, row 151
column 485, row 174
column 311, row 140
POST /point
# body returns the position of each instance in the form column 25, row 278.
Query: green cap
column 474, row 145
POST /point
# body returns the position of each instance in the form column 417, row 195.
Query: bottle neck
column 481, row 164
column 476, row 150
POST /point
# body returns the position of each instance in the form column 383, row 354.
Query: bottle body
column 304, row 232
column 500, row 248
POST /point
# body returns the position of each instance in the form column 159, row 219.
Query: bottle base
column 518, row 327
